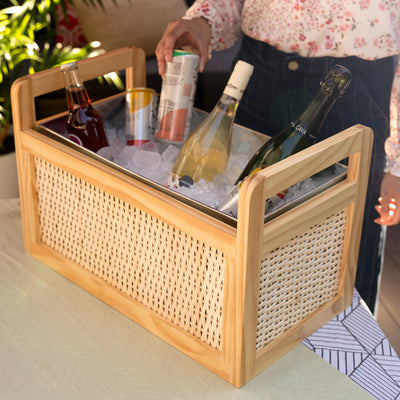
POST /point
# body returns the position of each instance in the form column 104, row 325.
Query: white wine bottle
column 296, row 136
column 206, row 152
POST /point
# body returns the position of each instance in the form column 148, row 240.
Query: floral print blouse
column 369, row 29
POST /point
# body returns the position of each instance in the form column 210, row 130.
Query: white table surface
column 59, row 342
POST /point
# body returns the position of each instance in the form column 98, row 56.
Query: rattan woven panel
column 171, row 273
column 298, row 277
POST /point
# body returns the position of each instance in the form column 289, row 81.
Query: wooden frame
column 227, row 343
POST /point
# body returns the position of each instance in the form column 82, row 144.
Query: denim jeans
column 280, row 88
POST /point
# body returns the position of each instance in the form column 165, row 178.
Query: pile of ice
column 154, row 161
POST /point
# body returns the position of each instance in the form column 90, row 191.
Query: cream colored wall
column 138, row 23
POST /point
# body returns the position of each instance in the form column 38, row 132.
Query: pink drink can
column 177, row 97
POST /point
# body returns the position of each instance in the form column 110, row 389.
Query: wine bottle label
column 299, row 128
column 174, row 181
column 75, row 139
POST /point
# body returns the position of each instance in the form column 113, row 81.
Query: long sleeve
column 369, row 30
column 224, row 17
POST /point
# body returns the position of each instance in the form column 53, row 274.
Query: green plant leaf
column 27, row 44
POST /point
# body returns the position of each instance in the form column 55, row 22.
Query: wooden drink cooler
column 234, row 298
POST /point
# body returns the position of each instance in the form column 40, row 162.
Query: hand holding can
column 177, row 97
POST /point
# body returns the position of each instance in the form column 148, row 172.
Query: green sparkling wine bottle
column 296, row 136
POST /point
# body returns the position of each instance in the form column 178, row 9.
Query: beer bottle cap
column 69, row 66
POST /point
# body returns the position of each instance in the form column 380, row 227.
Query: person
column 292, row 45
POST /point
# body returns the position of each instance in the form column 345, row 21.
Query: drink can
column 140, row 116
column 177, row 96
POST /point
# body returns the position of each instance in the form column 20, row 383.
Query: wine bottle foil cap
column 69, row 66
column 336, row 80
column 238, row 80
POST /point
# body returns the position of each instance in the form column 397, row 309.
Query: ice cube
column 146, row 160
column 116, row 145
column 126, row 156
column 111, row 131
column 202, row 186
column 111, row 152
column 220, row 193
column 170, row 154
column 106, row 152
column 223, row 179
column 205, row 197
column 150, row 146
column 185, row 191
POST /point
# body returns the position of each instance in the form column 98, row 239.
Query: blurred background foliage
column 28, row 44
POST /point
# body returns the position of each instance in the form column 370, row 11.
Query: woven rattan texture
column 157, row 265
column 298, row 277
